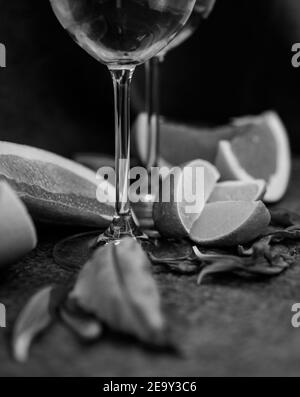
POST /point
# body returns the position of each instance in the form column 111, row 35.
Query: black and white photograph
column 149, row 192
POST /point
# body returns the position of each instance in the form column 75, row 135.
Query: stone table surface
column 226, row 327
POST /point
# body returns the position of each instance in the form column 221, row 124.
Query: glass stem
column 122, row 81
column 153, row 110
column 123, row 223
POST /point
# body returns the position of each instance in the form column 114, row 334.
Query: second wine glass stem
column 153, row 111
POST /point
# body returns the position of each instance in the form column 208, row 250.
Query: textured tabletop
column 226, row 327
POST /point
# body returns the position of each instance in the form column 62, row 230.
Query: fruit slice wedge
column 230, row 223
column 55, row 189
column 180, row 143
column 238, row 191
column 174, row 217
column 261, row 153
column 17, row 232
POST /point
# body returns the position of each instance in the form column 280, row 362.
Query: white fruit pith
column 175, row 217
column 211, row 176
column 231, row 169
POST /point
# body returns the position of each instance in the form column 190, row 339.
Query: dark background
column 54, row 95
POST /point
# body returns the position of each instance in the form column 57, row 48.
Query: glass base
column 121, row 226
column 73, row 252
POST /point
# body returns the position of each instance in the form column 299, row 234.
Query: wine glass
column 122, row 34
column 201, row 11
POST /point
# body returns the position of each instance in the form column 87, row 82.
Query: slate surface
column 228, row 327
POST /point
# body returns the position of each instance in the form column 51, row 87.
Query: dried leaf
column 117, row 287
column 260, row 248
column 185, row 267
column 86, row 327
column 181, row 265
column 221, row 266
column 292, row 233
column 262, row 259
column 34, row 318
column 211, row 256
column 54, row 189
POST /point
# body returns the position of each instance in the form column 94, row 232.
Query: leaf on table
column 36, row 317
column 262, row 247
column 54, row 189
column 292, row 233
column 221, row 266
column 263, row 258
column 85, row 326
column 171, row 255
column 116, row 286
column 182, row 264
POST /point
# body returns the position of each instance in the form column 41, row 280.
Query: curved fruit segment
column 262, row 152
column 188, row 191
column 180, row 143
column 230, row 223
column 18, row 234
column 238, row 191
column 55, row 189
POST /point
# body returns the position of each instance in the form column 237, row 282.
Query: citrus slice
column 262, row 152
column 18, row 235
column 180, row 143
column 183, row 196
column 230, row 223
column 55, row 189
column 238, row 191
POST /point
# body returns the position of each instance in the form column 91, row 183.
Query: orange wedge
column 230, row 223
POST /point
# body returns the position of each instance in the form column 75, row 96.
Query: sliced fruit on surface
column 262, row 152
column 238, row 191
column 17, row 232
column 180, row 143
column 174, row 215
column 230, row 223
column 55, row 189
